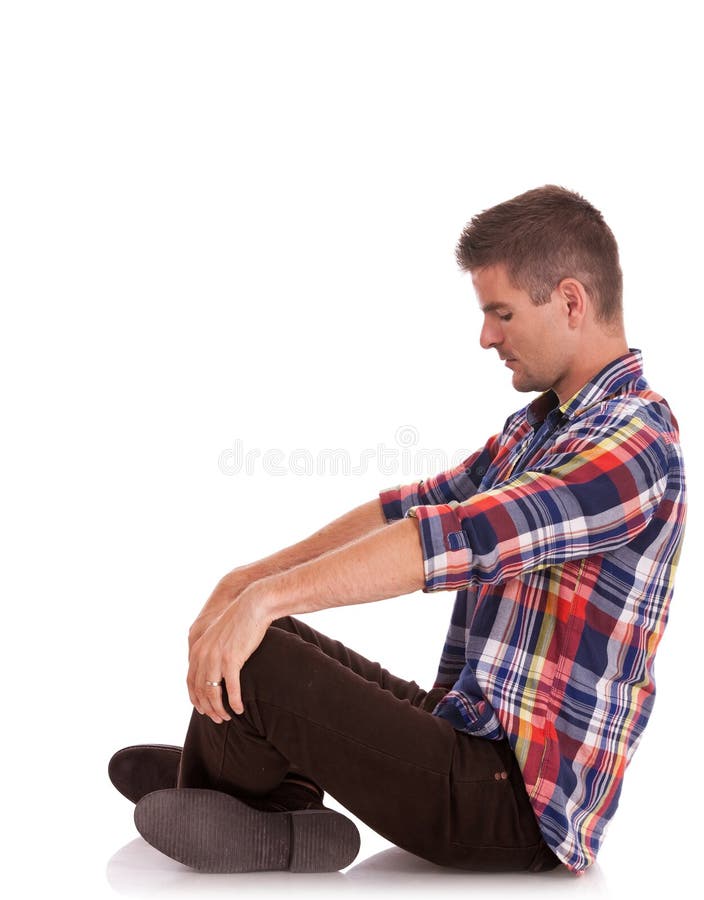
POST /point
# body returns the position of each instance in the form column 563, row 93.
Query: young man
column 561, row 535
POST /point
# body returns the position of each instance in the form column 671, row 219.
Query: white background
column 228, row 222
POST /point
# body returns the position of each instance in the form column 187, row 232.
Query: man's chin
column 525, row 385
column 521, row 385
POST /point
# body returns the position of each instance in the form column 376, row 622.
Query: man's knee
column 287, row 623
column 277, row 657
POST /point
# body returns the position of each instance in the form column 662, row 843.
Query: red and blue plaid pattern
column 563, row 534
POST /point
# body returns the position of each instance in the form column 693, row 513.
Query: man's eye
column 507, row 317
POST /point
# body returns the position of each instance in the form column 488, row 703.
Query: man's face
column 535, row 341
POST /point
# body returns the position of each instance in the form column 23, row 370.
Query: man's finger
column 234, row 697
column 201, row 672
column 214, row 692
column 191, row 684
column 213, row 702
column 206, row 703
column 208, row 692
column 194, row 686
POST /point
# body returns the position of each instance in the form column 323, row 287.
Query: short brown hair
column 543, row 236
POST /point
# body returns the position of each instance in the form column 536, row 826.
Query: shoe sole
column 143, row 768
column 214, row 832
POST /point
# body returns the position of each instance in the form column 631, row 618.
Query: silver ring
column 214, row 683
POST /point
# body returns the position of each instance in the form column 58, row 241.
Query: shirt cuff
column 396, row 501
column 447, row 556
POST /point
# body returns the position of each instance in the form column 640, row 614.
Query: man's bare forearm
column 361, row 521
column 383, row 564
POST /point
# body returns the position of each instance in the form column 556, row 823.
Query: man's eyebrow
column 490, row 307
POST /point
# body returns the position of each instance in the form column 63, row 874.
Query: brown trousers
column 315, row 707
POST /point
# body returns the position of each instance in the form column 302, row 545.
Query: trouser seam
column 352, row 739
column 223, row 752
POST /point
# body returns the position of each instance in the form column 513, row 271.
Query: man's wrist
column 268, row 598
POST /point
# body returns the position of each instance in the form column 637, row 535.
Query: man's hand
column 226, row 592
column 221, row 651
column 384, row 563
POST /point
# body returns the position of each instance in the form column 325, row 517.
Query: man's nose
column 490, row 335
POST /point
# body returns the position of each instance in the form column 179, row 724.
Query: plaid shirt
column 563, row 534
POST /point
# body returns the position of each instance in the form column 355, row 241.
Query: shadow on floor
column 138, row 870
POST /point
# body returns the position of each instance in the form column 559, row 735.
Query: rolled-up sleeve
column 582, row 498
column 453, row 485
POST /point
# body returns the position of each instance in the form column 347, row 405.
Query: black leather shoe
column 214, row 832
column 144, row 768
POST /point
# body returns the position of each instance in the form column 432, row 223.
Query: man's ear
column 574, row 298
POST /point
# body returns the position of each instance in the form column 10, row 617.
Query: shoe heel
column 322, row 841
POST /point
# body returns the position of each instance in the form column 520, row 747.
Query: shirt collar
column 614, row 376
